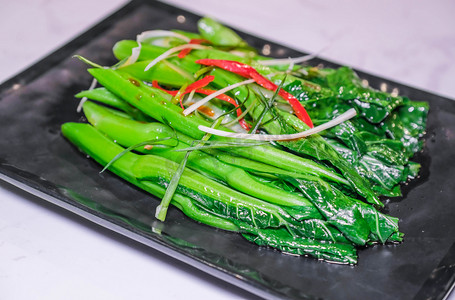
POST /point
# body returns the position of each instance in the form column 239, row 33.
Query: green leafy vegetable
column 317, row 196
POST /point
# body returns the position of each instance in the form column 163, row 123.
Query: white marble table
column 45, row 252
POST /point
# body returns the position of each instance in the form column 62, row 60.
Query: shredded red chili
column 247, row 71
column 198, row 87
column 203, row 82
column 186, row 51
column 192, row 87
column 226, row 98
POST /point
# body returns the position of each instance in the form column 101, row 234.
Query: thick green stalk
column 104, row 96
column 165, row 72
column 102, row 150
column 156, row 104
column 209, row 194
column 129, row 132
column 123, row 49
column 218, row 34
column 213, row 196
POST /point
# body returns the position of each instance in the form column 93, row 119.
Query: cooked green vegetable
column 317, row 196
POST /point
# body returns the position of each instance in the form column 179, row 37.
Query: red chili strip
column 156, row 85
column 299, row 110
column 247, row 71
column 203, row 82
column 192, row 87
column 228, row 99
column 197, row 86
column 186, row 51
column 229, row 65
column 172, row 93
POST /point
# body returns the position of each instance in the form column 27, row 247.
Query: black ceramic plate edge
column 437, row 287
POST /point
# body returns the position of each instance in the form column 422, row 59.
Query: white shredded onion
column 282, row 137
column 171, row 51
column 159, row 33
column 291, row 67
column 136, row 51
column 92, row 86
column 289, row 60
column 285, row 61
column 190, row 96
column 201, row 102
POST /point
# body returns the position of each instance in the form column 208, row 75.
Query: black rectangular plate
column 35, row 157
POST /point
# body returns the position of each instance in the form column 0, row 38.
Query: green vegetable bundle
column 317, row 195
